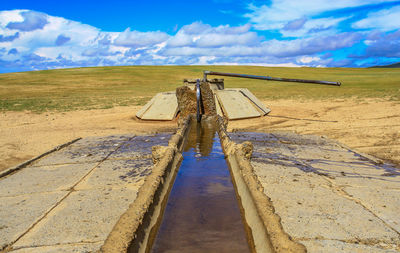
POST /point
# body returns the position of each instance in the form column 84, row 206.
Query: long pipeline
column 198, row 100
column 269, row 78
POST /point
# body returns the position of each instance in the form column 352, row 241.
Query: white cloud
column 29, row 42
column 388, row 19
column 385, row 45
column 217, row 40
column 226, row 29
column 280, row 12
column 322, row 26
column 130, row 38
column 181, row 39
column 195, row 28
column 10, row 16
column 158, row 47
column 205, row 60
column 31, row 21
column 308, row 59
column 52, row 42
column 275, row 48
column 198, row 34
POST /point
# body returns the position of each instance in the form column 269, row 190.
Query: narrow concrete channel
column 202, row 213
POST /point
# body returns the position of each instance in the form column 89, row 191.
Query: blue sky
column 37, row 35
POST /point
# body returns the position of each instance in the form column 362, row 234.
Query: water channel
column 202, row 213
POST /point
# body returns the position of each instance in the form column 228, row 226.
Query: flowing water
column 202, row 213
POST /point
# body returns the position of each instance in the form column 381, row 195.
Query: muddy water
column 202, row 212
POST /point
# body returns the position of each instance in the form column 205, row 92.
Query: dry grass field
column 42, row 109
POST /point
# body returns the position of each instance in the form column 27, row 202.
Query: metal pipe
column 198, row 97
column 268, row 78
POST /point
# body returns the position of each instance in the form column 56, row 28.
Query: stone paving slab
column 69, row 200
column 44, row 179
column 382, row 182
column 235, row 105
column 86, row 150
column 312, row 208
column 18, row 214
column 139, row 146
column 75, row 248
column 122, row 173
column 379, row 200
column 255, row 100
column 163, row 107
column 84, row 216
column 329, row 246
column 329, row 198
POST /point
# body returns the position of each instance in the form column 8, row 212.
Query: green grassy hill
column 394, row 65
column 104, row 87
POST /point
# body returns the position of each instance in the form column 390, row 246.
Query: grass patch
column 105, row 87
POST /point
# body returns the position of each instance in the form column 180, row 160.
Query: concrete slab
column 218, row 106
column 118, row 173
column 253, row 99
column 140, row 146
column 84, row 216
column 44, row 179
column 235, row 105
column 75, row 248
column 329, row 198
column 65, row 202
column 142, row 110
column 348, row 168
column 164, row 107
column 86, row 150
column 388, row 183
column 331, row 246
column 18, row 214
column 312, row 209
column 382, row 202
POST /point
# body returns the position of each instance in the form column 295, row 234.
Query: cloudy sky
column 39, row 34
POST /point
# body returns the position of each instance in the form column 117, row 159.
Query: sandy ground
column 24, row 135
column 370, row 126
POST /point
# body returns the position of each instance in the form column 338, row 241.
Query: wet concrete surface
column 329, row 198
column 69, row 200
column 202, row 213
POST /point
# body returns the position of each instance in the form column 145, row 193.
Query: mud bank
column 297, row 193
column 268, row 234
column 70, row 199
column 202, row 213
column 136, row 229
column 132, row 233
column 328, row 197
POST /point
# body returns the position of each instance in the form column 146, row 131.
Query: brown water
column 202, row 213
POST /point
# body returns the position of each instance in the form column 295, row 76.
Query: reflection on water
column 202, row 213
column 201, row 138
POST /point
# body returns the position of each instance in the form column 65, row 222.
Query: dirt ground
column 370, row 126
column 24, row 135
